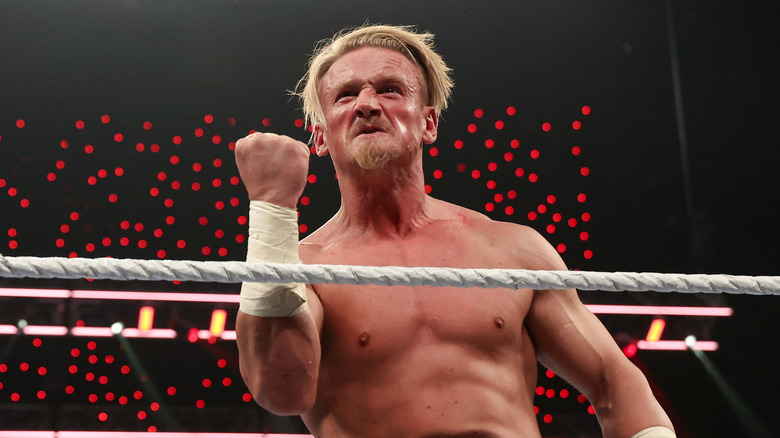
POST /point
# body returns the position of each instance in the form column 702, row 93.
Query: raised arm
column 572, row 342
column 277, row 327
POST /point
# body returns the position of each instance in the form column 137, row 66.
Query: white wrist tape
column 655, row 432
column 273, row 237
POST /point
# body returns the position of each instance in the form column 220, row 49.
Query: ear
column 431, row 126
column 319, row 141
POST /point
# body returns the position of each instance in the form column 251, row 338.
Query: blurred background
column 636, row 136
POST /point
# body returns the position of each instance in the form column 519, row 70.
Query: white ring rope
column 235, row 272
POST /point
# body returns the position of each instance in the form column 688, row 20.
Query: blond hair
column 417, row 47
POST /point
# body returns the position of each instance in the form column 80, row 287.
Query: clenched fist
column 273, row 167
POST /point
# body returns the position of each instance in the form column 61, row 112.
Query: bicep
column 571, row 341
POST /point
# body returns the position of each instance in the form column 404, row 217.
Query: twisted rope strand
column 236, row 272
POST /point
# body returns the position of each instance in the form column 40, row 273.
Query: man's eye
column 344, row 94
column 389, row 90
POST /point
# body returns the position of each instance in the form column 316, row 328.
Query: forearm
column 279, row 360
column 625, row 405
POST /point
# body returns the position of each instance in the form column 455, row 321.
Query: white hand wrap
column 273, row 237
column 655, row 432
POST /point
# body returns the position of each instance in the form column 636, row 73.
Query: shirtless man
column 397, row 362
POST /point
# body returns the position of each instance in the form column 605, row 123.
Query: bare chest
column 372, row 323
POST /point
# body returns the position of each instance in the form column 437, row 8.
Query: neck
column 389, row 202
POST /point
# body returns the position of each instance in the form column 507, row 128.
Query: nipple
column 498, row 321
column 363, row 339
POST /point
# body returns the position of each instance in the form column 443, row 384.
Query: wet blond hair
column 416, row 47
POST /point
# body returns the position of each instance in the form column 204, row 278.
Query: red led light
column 508, row 156
column 557, row 217
column 478, row 113
column 585, row 110
column 158, row 233
column 492, row 167
column 511, row 194
column 489, row 206
column 176, row 139
column 475, row 174
column 585, row 171
column 222, row 363
column 168, row 202
column 103, row 380
column 498, row 197
column 519, row 172
column 541, row 208
column 509, row 210
column 198, row 132
column 247, row 397
column 551, row 199
column 227, row 381
column 549, row 374
column 581, row 398
column 561, row 248
column 102, row 416
column 461, row 167
column 122, row 400
column 433, row 152
column 546, row 127
column 234, row 180
column 174, row 159
column 591, row 411
column 532, row 215
column 298, row 123
column 70, row 389
column 539, row 390
column 156, row 148
column 200, row 404
column 89, row 377
column 79, row 124
column 551, row 228
column 584, row 236
column 499, row 124
column 12, row 232
column 489, row 143
column 585, row 217
column 3, row 367
column 161, row 254
column 572, row 222
column 75, row 352
column 15, row 397
column 12, row 191
column 112, row 198
column 437, row 174
column 109, row 359
column 13, row 244
column 547, row 418
column 118, row 137
column 472, row 128
column 175, row 185
column 491, row 184
column 588, row 254
column 203, row 220
column 89, row 149
column 458, row 144
column 534, row 154
column 92, row 180
column 216, row 139
column 511, row 111
column 532, row 177
column 140, row 147
column 181, row 244
column 171, row 391
column 138, row 395
column 304, row 201
column 20, row 123
column 105, row 118
column 24, row 366
column 564, row 393
column 550, row 393
column 37, row 342
column 206, row 250
column 90, row 247
column 576, row 125
column 515, row 143
column 195, row 186
column 141, row 415
column 266, row 122
column 170, row 220
column 142, row 244
column 147, row 125
column 51, row 176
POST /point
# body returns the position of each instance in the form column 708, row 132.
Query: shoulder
column 524, row 247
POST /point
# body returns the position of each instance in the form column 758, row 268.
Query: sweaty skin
column 427, row 361
column 416, row 362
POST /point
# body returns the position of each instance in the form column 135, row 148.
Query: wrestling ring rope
column 236, row 272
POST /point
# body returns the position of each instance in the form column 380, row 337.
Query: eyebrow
column 353, row 83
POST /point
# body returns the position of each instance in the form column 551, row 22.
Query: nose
column 366, row 104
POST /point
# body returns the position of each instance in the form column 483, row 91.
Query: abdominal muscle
column 433, row 389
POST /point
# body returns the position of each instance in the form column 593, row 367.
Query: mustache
column 363, row 124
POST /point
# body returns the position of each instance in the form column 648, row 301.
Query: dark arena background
column 634, row 135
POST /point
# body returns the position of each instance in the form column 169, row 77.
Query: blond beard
column 372, row 156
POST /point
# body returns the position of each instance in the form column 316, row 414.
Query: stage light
column 21, row 324
column 690, row 341
column 145, row 318
column 117, row 327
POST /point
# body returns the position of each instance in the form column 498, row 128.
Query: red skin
column 370, row 361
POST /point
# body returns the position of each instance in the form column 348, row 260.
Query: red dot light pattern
column 98, row 374
column 533, row 173
column 121, row 188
